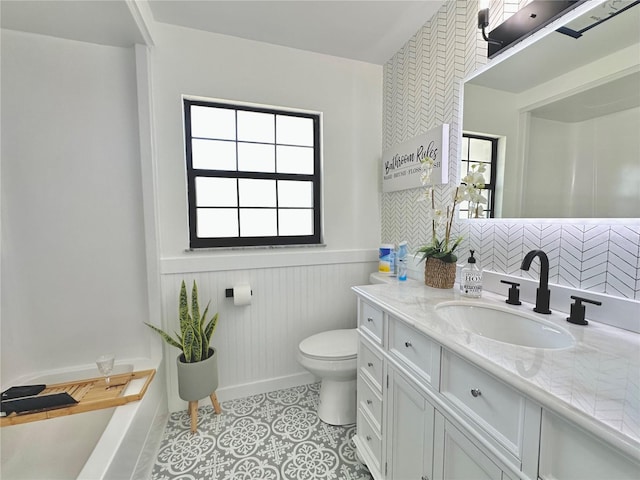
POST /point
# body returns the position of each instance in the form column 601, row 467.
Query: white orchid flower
column 428, row 162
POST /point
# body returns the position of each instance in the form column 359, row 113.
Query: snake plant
column 195, row 332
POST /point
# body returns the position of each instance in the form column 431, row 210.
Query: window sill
column 258, row 247
column 251, row 258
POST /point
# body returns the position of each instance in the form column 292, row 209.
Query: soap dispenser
column 471, row 283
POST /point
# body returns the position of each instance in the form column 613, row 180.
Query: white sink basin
column 505, row 325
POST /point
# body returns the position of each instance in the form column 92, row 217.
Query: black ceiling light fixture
column 483, row 21
column 602, row 13
column 521, row 24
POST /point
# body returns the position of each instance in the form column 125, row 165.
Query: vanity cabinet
column 408, row 428
column 423, row 444
column 427, row 412
column 569, row 453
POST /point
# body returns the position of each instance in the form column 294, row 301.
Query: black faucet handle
column 514, row 293
column 576, row 315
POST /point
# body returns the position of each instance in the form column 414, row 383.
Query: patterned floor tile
column 273, row 436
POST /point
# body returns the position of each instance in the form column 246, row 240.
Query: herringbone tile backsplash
column 421, row 91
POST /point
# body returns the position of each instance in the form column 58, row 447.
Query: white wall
column 297, row 291
column 73, row 253
column 348, row 93
column 549, row 171
column 494, row 112
column 595, row 165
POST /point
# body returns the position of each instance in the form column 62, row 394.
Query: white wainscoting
column 257, row 344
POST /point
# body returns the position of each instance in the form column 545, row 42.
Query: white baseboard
column 262, row 386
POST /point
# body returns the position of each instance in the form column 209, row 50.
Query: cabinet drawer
column 370, row 319
column 369, row 438
column 370, row 364
column 370, row 401
column 488, row 402
column 415, row 349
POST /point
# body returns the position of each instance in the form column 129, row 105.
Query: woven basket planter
column 439, row 274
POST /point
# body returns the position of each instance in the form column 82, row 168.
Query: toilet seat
column 331, row 345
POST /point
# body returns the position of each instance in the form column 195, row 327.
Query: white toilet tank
column 379, row 277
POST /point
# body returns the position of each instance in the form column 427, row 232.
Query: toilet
column 332, row 357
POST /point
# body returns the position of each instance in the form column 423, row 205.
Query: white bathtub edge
column 149, row 453
column 122, row 443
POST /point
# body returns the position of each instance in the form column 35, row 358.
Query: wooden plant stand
column 193, row 410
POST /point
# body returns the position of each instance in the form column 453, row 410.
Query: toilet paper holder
column 228, row 293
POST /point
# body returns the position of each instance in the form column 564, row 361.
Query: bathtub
column 114, row 443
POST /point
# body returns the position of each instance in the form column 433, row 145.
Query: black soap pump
column 471, row 283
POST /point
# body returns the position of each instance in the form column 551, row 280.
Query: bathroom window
column 253, row 175
column 477, row 150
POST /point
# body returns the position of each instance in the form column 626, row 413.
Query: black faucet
column 543, row 295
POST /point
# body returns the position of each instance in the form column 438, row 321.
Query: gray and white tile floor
column 273, row 436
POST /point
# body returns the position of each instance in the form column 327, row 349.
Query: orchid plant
column 442, row 215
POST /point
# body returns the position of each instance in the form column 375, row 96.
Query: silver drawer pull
column 369, row 402
column 407, row 344
column 476, row 392
column 368, row 438
column 370, row 364
column 369, row 319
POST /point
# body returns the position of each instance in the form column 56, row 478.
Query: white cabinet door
column 569, row 453
column 457, row 458
column 410, row 423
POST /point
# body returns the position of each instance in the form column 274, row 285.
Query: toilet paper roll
column 242, row 294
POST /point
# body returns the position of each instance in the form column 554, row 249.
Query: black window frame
column 196, row 242
column 491, row 186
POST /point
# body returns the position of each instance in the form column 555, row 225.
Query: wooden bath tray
column 91, row 394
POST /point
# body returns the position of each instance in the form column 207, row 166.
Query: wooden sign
column 401, row 164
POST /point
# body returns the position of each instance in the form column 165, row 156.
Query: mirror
column 566, row 112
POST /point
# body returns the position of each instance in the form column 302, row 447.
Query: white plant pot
column 197, row 380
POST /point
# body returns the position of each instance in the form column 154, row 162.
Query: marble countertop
column 595, row 383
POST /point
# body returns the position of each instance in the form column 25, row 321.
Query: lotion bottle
column 402, row 261
column 471, row 283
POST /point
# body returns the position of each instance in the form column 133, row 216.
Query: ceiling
column 369, row 31
column 620, row 94
column 104, row 22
